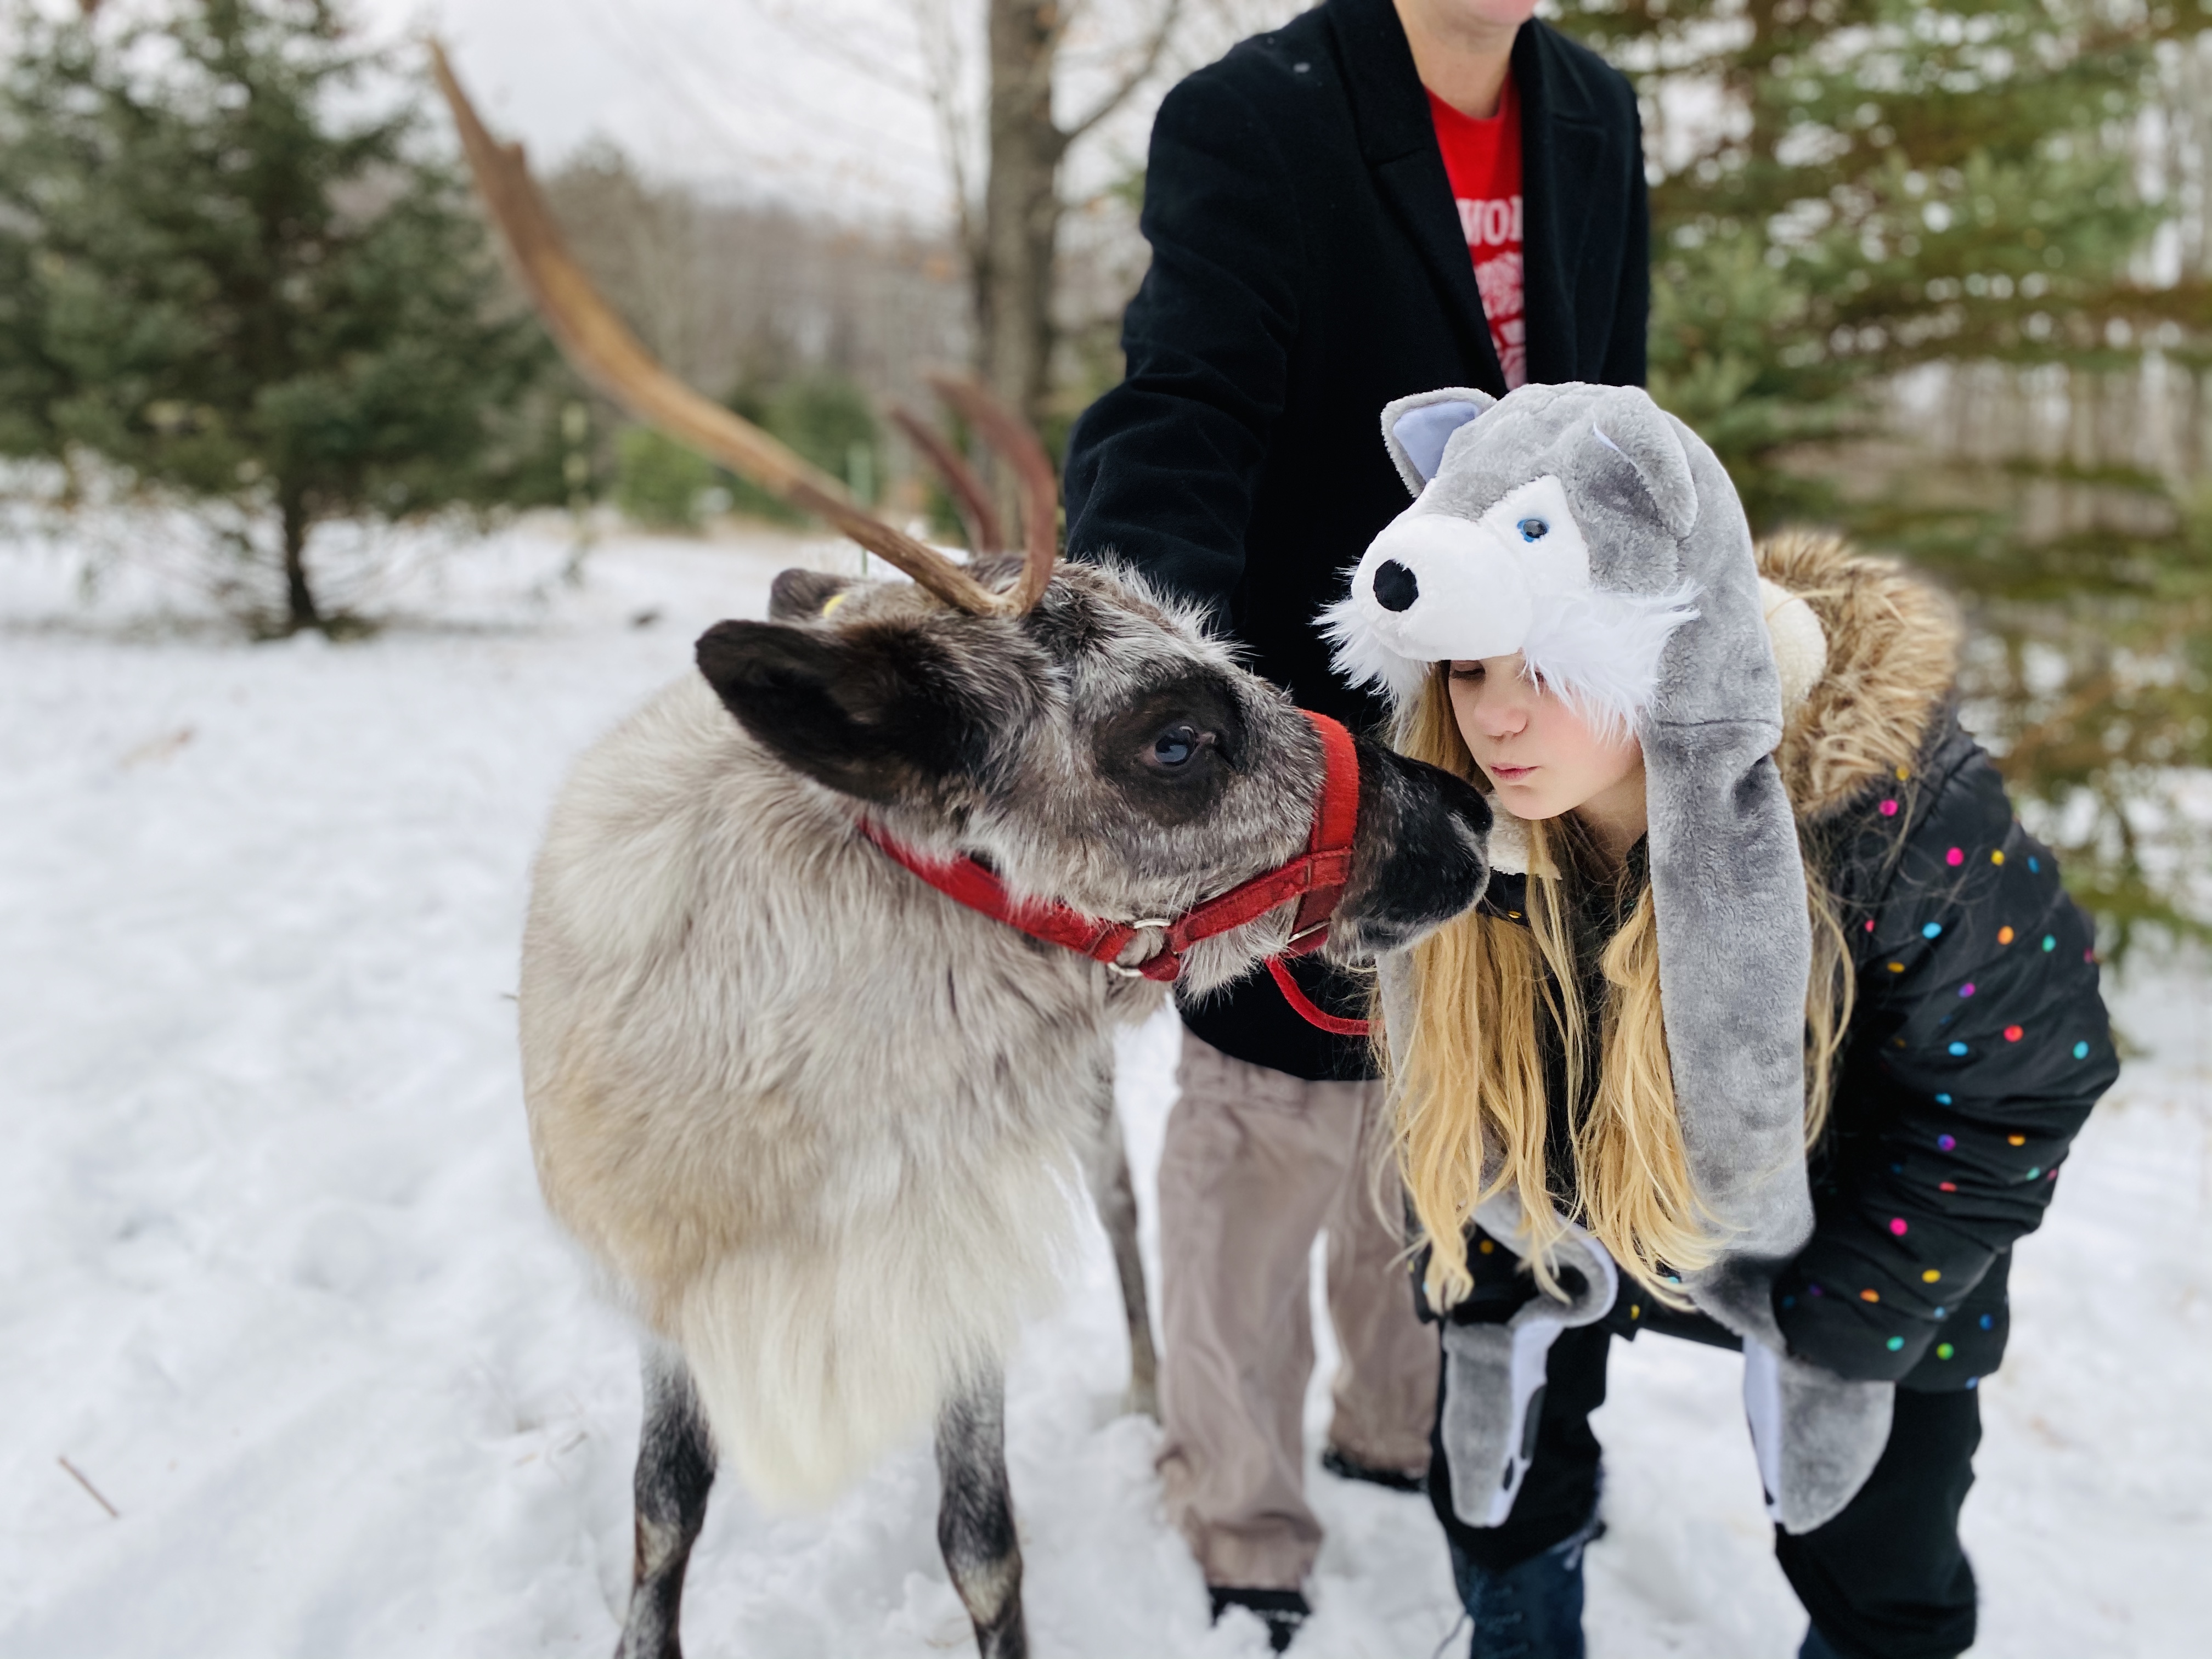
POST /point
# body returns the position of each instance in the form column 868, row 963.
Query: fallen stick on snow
column 77, row 1475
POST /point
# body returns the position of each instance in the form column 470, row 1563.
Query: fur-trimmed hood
column 1893, row 661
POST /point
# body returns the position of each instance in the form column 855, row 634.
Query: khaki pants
column 1255, row 1165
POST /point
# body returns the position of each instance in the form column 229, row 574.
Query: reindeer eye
column 1175, row 746
column 1534, row 530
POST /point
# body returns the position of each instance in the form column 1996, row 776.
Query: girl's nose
column 1502, row 710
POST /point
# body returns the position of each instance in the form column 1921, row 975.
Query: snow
column 274, row 1277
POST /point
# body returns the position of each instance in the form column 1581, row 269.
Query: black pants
column 1886, row 1579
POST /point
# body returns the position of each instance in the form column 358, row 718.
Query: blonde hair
column 1468, row 1077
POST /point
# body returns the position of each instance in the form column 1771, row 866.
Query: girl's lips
column 1511, row 774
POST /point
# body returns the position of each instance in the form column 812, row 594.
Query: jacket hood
column 1893, row 664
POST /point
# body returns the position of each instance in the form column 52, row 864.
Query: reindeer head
column 1078, row 732
column 1099, row 750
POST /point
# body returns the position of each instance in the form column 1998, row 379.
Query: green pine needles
column 1864, row 197
column 235, row 266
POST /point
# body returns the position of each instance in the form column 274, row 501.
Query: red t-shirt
column 1483, row 160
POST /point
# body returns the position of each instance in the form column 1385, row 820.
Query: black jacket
column 1978, row 1045
column 1308, row 267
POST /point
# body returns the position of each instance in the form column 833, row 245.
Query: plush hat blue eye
column 1534, row 530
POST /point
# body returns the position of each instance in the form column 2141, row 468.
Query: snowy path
column 274, row 1276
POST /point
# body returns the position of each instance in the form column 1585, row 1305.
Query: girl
column 1570, row 1089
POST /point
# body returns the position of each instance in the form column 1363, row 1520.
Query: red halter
column 1316, row 877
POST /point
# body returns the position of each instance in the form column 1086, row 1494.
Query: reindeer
column 822, row 964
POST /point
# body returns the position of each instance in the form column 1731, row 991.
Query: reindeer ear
column 1415, row 430
column 803, row 595
column 1643, row 434
column 875, row 713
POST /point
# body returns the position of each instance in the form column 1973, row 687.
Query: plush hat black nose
column 1396, row 588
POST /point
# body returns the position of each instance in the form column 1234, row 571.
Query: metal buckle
column 1158, row 924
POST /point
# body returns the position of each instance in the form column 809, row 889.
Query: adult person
column 1374, row 199
column 1634, row 1088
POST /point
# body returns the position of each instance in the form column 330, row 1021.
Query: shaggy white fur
column 1600, row 650
column 812, row 1364
column 1362, row 658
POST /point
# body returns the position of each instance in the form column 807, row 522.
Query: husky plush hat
column 1586, row 528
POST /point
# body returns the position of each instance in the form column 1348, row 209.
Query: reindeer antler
column 1018, row 447
column 977, row 515
column 604, row 351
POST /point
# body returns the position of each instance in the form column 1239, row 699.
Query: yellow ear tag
column 834, row 601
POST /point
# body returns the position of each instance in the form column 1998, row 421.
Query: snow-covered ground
column 274, row 1277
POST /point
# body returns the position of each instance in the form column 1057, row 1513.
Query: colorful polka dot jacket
column 1977, row 1041
column 1978, row 1046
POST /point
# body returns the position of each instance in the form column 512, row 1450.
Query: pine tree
column 1853, row 189
column 216, row 280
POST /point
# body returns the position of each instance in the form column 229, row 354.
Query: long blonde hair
column 1468, row 1077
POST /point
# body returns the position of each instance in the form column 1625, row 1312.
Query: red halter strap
column 1303, row 1005
column 1315, row 878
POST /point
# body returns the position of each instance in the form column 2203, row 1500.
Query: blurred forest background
column 1939, row 275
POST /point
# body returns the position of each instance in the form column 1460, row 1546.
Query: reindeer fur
column 824, row 1129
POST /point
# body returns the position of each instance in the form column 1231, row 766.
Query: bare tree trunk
column 1012, row 263
column 1011, row 248
column 300, row 612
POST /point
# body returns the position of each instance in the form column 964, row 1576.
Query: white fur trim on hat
column 1436, row 587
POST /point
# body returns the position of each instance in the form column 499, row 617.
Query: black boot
column 1350, row 1469
column 1531, row 1611
column 1280, row 1610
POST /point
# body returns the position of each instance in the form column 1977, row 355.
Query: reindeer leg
column 1116, row 1198
column 675, row 1467
column 976, row 1515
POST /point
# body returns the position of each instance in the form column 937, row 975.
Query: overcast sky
column 710, row 90
column 811, row 101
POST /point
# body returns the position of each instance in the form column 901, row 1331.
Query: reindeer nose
column 1395, row 586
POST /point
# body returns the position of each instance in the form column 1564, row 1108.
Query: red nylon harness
column 1316, row 878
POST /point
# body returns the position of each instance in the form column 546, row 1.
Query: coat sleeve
column 1161, row 469
column 1978, row 1045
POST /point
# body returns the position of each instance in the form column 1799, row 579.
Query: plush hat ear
column 1415, row 430
column 1642, row 433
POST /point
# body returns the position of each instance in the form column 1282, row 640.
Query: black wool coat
column 1977, row 1046
column 1308, row 267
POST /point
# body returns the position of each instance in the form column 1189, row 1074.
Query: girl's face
column 1544, row 757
